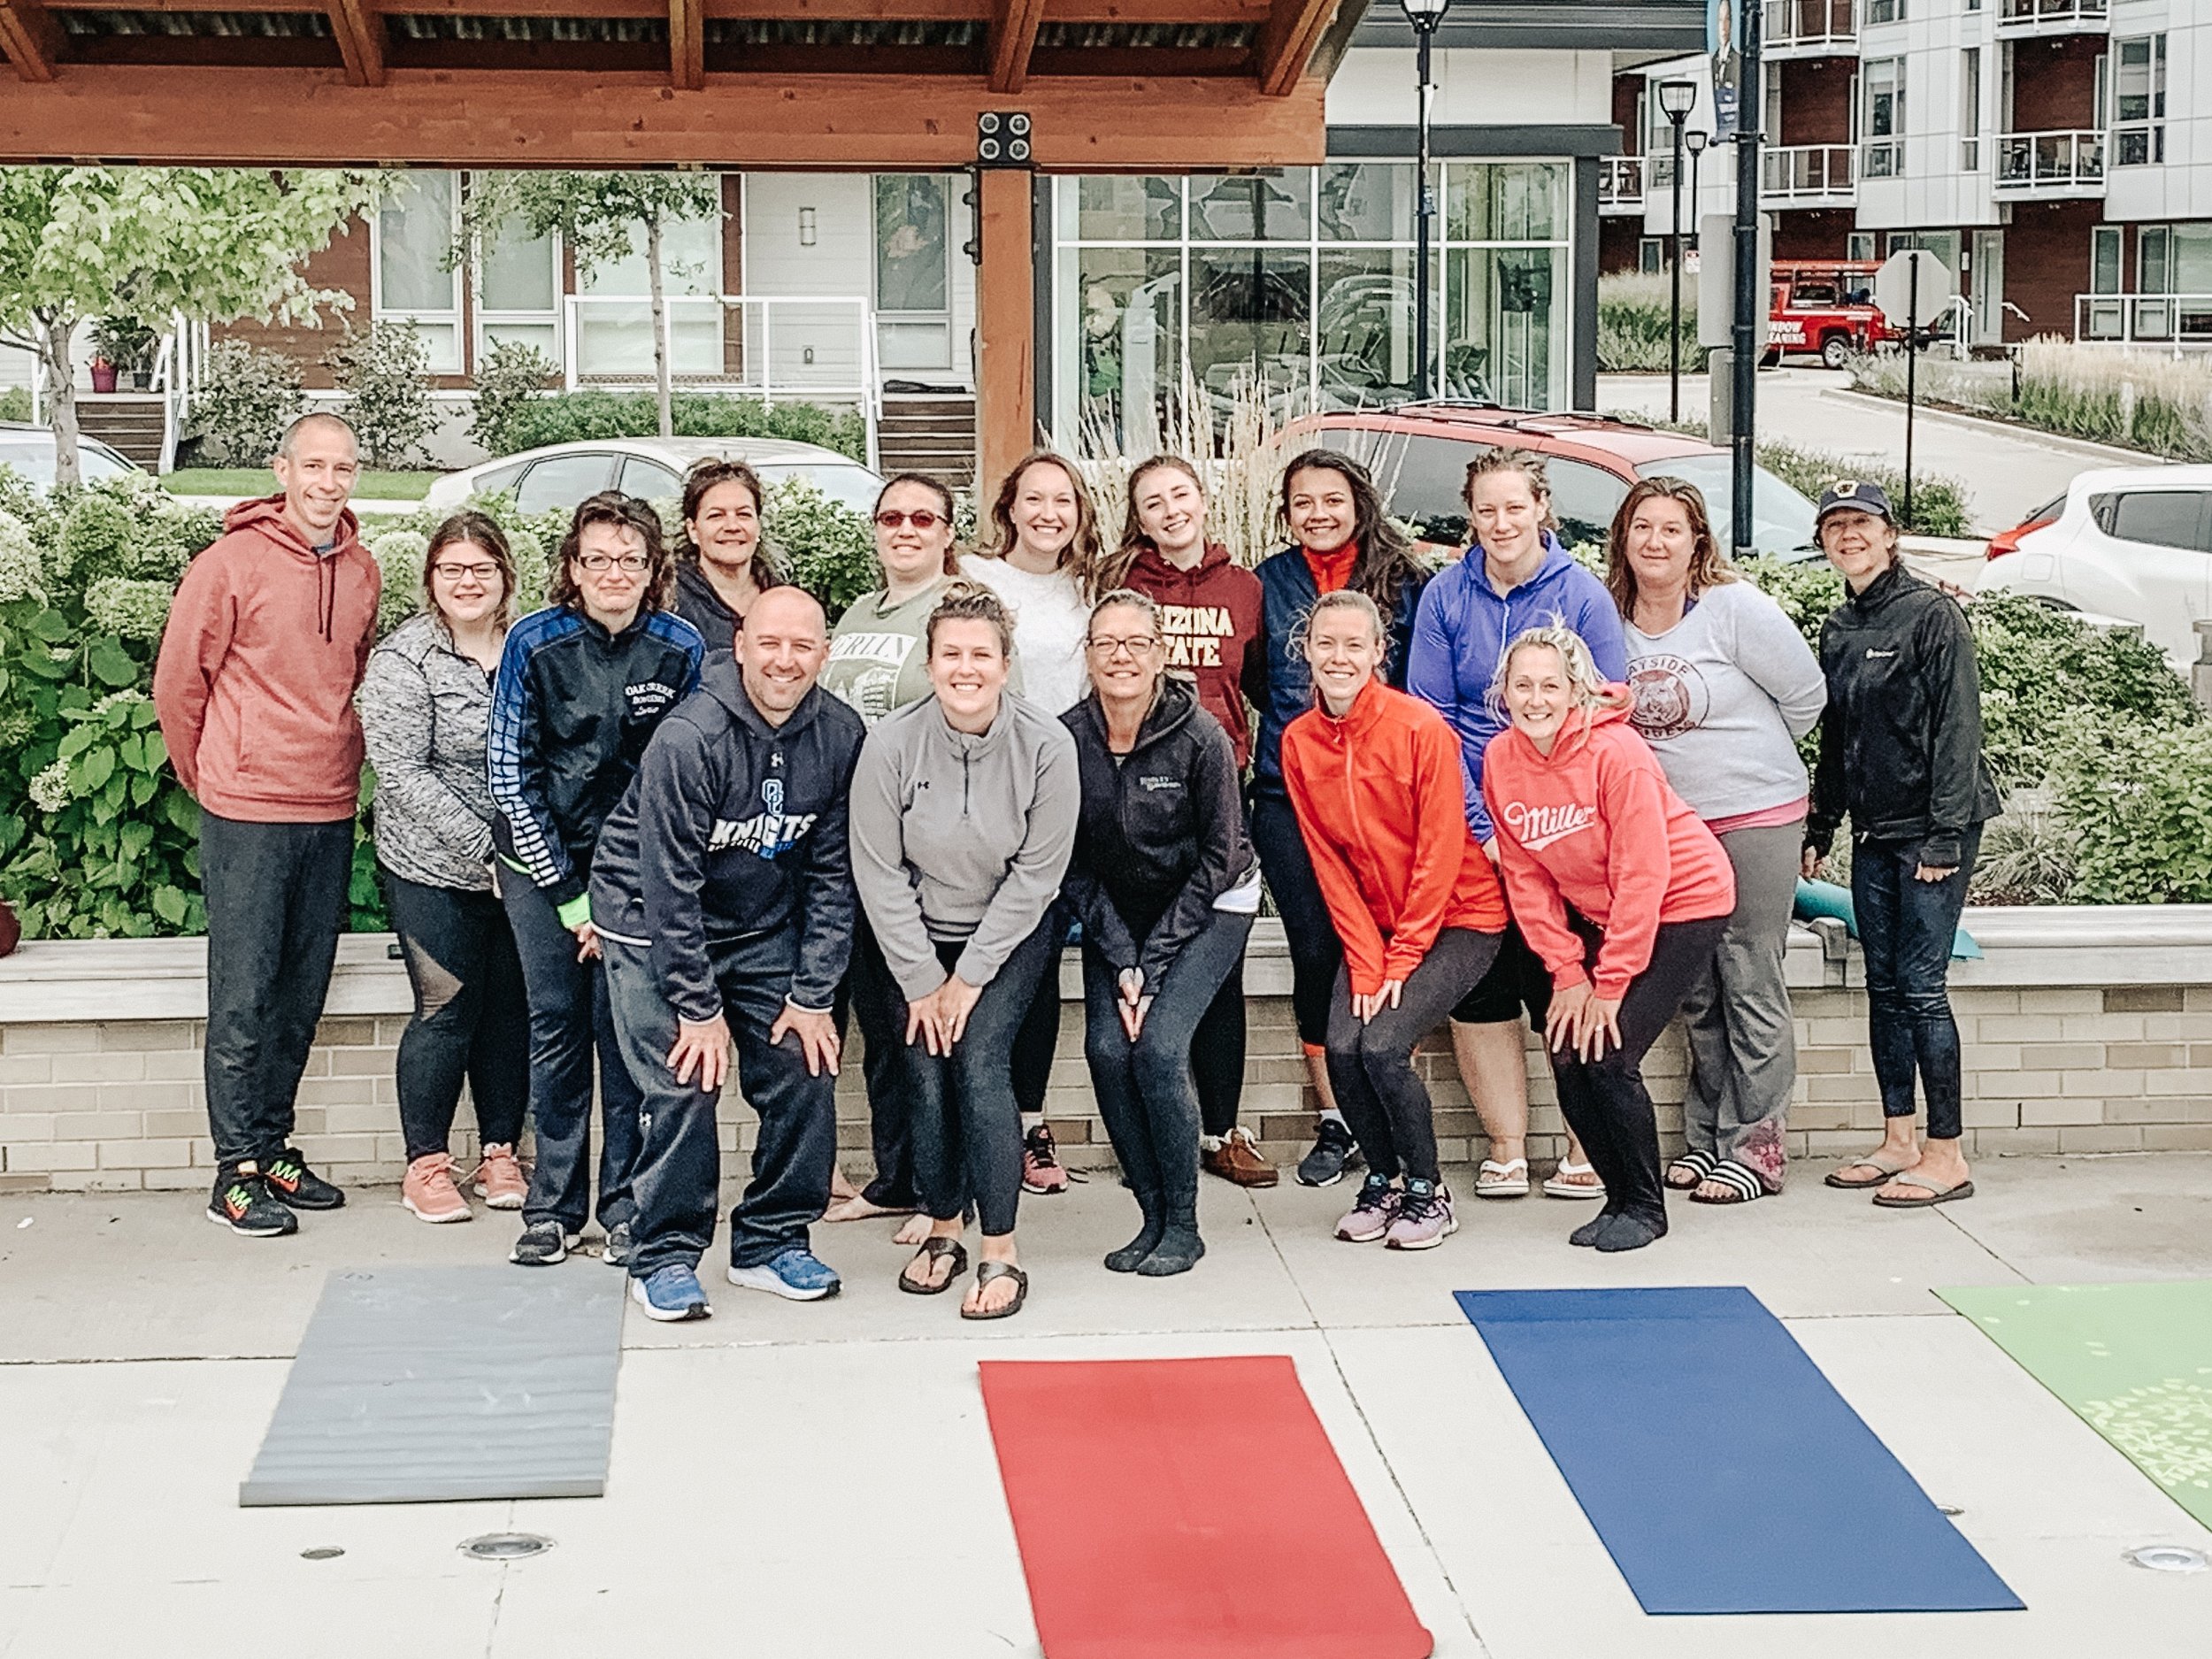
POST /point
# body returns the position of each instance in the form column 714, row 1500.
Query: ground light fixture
column 1677, row 99
column 1424, row 15
column 2167, row 1558
column 505, row 1546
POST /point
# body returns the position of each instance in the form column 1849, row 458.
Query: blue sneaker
column 670, row 1293
column 797, row 1275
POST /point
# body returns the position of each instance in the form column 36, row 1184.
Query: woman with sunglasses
column 582, row 684
column 722, row 564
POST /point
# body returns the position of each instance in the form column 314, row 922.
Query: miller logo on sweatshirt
column 1536, row 827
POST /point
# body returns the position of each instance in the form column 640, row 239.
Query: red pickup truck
column 1824, row 306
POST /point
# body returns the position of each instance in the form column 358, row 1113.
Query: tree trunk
column 53, row 335
column 655, row 287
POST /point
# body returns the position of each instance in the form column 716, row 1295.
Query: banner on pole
column 1721, row 37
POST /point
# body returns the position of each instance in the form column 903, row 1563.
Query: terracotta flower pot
column 102, row 375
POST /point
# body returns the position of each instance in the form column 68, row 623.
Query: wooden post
column 1006, row 327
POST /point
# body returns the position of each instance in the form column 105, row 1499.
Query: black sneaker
column 291, row 1182
column 616, row 1251
column 542, row 1244
column 1333, row 1153
column 242, row 1202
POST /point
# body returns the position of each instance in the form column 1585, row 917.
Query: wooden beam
column 358, row 27
column 1255, row 11
column 1293, row 28
column 1005, row 325
column 687, row 44
column 530, row 118
column 31, row 38
column 1014, row 25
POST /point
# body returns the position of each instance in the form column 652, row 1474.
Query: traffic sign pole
column 1751, row 303
column 1912, row 363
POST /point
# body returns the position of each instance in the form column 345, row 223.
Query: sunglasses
column 922, row 520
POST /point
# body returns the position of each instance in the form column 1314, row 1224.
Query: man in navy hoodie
column 723, row 893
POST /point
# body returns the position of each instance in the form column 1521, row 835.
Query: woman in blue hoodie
column 1514, row 576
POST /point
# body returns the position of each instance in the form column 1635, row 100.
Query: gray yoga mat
column 430, row 1384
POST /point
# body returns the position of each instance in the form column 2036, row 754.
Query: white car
column 2131, row 541
column 559, row 475
column 29, row 450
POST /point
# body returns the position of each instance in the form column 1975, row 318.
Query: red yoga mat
column 1189, row 1509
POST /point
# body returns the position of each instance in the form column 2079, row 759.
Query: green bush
column 247, row 398
column 2136, row 801
column 15, row 403
column 512, row 374
column 384, row 370
column 1938, row 500
column 570, row 416
column 827, row 548
column 1633, row 325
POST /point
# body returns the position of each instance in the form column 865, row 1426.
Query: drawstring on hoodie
column 327, row 592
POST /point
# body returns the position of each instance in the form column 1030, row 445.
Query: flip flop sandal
column 1687, row 1171
column 1935, row 1194
column 930, row 1252
column 1557, row 1186
column 992, row 1271
column 1743, row 1187
column 1889, row 1171
column 1494, row 1179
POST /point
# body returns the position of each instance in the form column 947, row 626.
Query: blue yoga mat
column 1792, row 1505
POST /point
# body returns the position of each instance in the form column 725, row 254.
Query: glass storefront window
column 1126, row 356
column 1505, row 328
column 1364, row 326
column 1249, row 310
column 1121, row 209
column 1367, row 201
column 1274, row 206
column 1492, row 201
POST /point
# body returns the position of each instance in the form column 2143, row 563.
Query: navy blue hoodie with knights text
column 735, row 828
column 1464, row 624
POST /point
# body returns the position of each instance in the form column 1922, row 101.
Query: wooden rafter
column 359, row 27
column 687, row 44
column 31, row 37
column 1294, row 27
column 1014, row 25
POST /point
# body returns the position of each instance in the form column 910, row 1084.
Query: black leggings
column 1604, row 1100
column 470, row 1017
column 1315, row 953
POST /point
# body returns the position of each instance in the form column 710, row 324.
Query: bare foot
column 841, row 1189
column 915, row 1230
column 856, row 1208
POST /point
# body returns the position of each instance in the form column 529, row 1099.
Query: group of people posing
column 676, row 828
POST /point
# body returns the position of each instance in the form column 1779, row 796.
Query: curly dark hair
column 627, row 512
column 1387, row 561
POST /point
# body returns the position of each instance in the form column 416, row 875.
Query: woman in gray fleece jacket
column 425, row 705
column 1724, row 686
column 963, row 813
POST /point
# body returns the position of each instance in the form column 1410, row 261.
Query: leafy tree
column 214, row 243
column 600, row 216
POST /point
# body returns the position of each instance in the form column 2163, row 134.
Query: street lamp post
column 1696, row 138
column 1424, row 15
column 1677, row 98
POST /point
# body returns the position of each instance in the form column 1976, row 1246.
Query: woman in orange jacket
column 1377, row 782
column 1619, row 888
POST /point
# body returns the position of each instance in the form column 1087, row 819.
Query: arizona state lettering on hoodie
column 1210, row 619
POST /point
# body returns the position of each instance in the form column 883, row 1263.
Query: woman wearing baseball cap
column 1901, row 753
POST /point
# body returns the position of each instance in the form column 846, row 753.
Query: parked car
column 2129, row 541
column 1419, row 452
column 29, row 450
column 2008, row 541
column 1825, row 306
column 559, row 475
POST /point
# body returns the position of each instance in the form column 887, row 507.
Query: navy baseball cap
column 1856, row 496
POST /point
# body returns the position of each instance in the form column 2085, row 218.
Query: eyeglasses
column 922, row 520
column 457, row 572
column 630, row 562
column 1135, row 646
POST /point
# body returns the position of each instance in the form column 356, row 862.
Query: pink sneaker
column 1370, row 1217
column 500, row 1180
column 429, row 1190
column 1041, row 1169
column 1424, row 1218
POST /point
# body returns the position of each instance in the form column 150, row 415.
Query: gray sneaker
column 616, row 1251
column 542, row 1244
column 1335, row 1153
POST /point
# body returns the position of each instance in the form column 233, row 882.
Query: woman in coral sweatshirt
column 1621, row 891
column 1376, row 780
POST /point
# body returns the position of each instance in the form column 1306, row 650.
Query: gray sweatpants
column 1743, row 1048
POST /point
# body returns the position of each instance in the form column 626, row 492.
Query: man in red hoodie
column 266, row 645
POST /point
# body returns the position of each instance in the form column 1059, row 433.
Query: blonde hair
column 1530, row 466
column 1342, row 599
column 1584, row 679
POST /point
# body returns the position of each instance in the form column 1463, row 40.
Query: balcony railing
column 1811, row 25
column 2051, row 17
column 1621, row 184
column 2054, row 163
column 1806, row 172
column 2178, row 320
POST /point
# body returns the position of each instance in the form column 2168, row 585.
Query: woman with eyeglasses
column 722, row 563
column 1163, row 881
column 582, row 686
column 426, row 708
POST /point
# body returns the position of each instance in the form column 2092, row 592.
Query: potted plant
column 125, row 346
column 102, row 375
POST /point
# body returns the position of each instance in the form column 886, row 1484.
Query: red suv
column 1419, row 452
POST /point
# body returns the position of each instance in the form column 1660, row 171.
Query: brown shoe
column 1238, row 1159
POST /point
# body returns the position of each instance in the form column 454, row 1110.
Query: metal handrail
column 2027, row 161
column 2130, row 318
column 1801, row 170
column 2029, row 11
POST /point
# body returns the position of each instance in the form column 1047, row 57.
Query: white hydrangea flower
column 50, row 790
column 19, row 561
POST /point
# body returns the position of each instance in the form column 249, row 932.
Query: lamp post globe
column 1423, row 15
column 1677, row 99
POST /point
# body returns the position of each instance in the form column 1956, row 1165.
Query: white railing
column 785, row 347
column 1811, row 23
column 1620, row 183
column 2030, row 14
column 180, row 364
column 2050, row 161
column 2175, row 319
column 1797, row 171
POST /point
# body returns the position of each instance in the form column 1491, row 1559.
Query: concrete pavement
column 819, row 1479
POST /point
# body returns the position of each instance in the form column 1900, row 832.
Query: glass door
column 913, row 271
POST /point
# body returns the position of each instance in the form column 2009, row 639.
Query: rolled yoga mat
column 2134, row 1361
column 423, row 1385
column 1188, row 1509
column 1722, row 1472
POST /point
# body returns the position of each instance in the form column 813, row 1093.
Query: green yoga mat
column 2134, row 1361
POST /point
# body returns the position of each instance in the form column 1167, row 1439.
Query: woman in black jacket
column 1900, row 752
column 1164, row 883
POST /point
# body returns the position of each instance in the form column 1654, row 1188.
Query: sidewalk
column 819, row 1480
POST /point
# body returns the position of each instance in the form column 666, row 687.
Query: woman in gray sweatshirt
column 963, row 813
column 1724, row 685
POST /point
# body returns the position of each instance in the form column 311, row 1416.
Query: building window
column 519, row 293
column 2138, row 102
column 913, row 272
column 1651, row 256
column 1882, row 82
column 614, row 312
column 1859, row 244
column 1303, row 280
column 1884, row 11
column 1970, row 109
column 415, row 280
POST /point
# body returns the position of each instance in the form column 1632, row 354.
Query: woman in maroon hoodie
column 1619, row 888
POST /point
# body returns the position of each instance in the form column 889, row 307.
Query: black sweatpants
column 676, row 1181
column 878, row 1009
column 1038, row 1042
column 1384, row 1103
column 472, row 1019
column 276, row 900
column 1604, row 1100
column 1314, row 952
